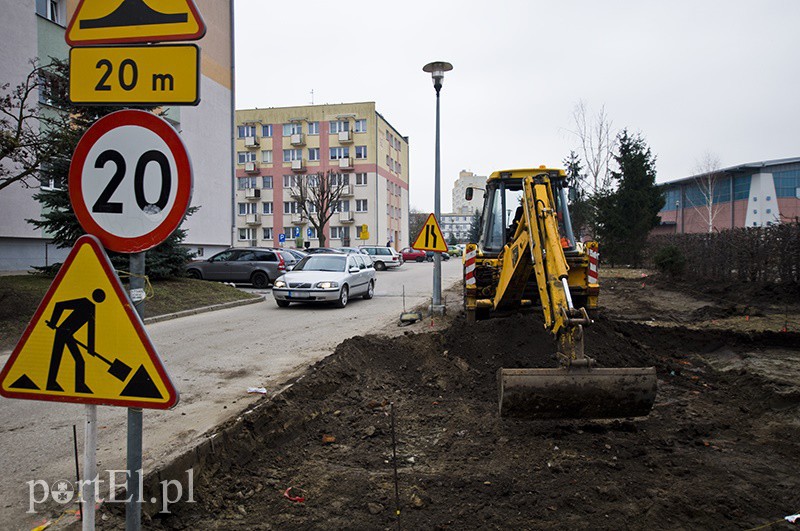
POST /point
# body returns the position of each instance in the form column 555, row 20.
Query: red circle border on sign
column 183, row 195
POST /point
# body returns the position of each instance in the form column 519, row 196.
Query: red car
column 410, row 254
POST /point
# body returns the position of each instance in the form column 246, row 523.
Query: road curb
column 204, row 309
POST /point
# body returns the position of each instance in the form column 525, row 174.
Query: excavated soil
column 720, row 450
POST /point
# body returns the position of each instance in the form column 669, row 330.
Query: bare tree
column 596, row 140
column 318, row 197
column 416, row 221
column 24, row 144
column 708, row 181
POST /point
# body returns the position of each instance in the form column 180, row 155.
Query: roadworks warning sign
column 86, row 344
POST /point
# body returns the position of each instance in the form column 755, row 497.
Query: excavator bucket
column 576, row 392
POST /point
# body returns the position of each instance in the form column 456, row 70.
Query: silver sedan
column 326, row 277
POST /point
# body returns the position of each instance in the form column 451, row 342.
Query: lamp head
column 437, row 70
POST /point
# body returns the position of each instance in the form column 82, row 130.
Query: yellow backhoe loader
column 531, row 258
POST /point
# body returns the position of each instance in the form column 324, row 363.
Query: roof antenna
column 312, row 96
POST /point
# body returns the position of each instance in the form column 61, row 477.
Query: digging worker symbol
column 82, row 314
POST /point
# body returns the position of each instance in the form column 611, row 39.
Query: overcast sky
column 693, row 77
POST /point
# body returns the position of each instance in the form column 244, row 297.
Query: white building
column 465, row 180
column 456, row 225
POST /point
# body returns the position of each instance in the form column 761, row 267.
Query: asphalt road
column 212, row 359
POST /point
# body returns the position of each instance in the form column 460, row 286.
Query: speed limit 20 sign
column 130, row 180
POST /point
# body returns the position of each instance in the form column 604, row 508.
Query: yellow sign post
column 125, row 75
column 86, row 344
column 363, row 234
column 430, row 238
column 134, row 21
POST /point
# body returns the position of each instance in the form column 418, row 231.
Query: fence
column 758, row 254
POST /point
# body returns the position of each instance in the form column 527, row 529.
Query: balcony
column 251, row 141
column 346, row 217
column 346, row 163
column 298, row 165
column 345, row 137
column 253, row 219
column 347, row 190
column 298, row 139
column 298, row 219
column 250, row 167
column 252, row 193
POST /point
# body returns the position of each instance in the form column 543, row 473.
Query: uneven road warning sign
column 86, row 344
column 126, row 75
column 430, row 237
column 134, row 21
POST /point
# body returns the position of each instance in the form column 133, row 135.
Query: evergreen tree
column 475, row 227
column 58, row 219
column 627, row 215
column 580, row 205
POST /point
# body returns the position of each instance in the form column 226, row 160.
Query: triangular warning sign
column 430, row 237
column 86, row 344
column 134, row 21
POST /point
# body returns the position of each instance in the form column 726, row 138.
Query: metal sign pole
column 133, row 507
column 89, row 467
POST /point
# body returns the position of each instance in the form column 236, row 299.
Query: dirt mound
column 715, row 453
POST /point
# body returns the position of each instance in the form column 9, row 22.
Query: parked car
column 335, row 277
column 382, row 257
column 429, row 256
column 255, row 265
column 453, row 250
column 349, row 250
column 317, row 250
column 410, row 254
column 297, row 253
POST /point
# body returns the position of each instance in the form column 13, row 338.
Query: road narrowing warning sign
column 86, row 344
column 430, row 237
column 134, row 21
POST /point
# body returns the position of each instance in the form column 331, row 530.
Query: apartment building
column 755, row 194
column 35, row 29
column 456, row 226
column 276, row 147
column 467, row 179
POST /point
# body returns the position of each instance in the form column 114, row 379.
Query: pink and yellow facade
column 276, row 146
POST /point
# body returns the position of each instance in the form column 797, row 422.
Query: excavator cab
column 527, row 255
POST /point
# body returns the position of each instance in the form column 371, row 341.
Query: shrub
column 670, row 260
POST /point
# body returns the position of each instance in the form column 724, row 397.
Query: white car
column 326, row 277
column 382, row 257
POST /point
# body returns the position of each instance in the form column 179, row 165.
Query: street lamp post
column 437, row 70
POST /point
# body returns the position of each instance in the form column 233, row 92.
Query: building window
column 313, row 154
column 245, row 183
column 787, row 183
column 361, row 205
column 339, row 126
column 51, row 10
column 337, row 233
column 245, row 156
column 398, row 167
column 267, row 233
column 341, row 206
column 741, row 187
column 291, row 232
column 245, row 131
column 361, row 179
column 266, row 208
column 266, row 156
column 266, row 130
column 361, row 152
column 247, row 234
column 266, row 182
column 247, row 208
column 293, row 128
column 339, row 153
column 290, row 181
column 292, row 154
column 313, row 128
column 291, row 207
column 361, row 126
column 340, row 179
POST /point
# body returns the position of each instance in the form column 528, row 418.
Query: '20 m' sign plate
column 130, row 181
